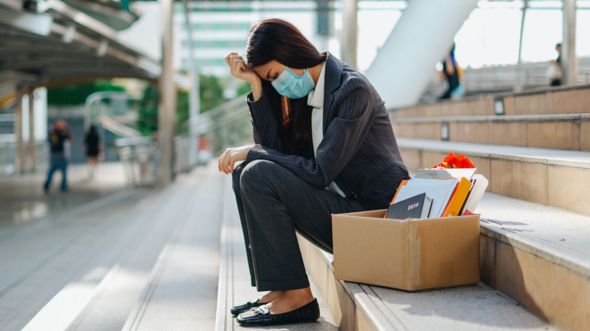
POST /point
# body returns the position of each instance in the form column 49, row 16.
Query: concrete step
column 560, row 100
column 361, row 307
column 567, row 131
column 181, row 292
column 539, row 256
column 234, row 278
column 551, row 177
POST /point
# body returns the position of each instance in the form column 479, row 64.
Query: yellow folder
column 458, row 198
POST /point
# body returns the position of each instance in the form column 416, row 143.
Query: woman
column 324, row 144
column 92, row 142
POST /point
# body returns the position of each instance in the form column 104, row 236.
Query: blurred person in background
column 554, row 71
column 452, row 74
column 92, row 149
column 57, row 138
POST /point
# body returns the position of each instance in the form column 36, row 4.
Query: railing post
column 569, row 60
column 19, row 160
column 32, row 147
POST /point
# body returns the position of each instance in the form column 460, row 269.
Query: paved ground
column 131, row 259
column 22, row 199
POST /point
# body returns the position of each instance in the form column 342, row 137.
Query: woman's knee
column 236, row 174
column 255, row 174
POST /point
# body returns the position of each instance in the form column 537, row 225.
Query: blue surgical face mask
column 293, row 86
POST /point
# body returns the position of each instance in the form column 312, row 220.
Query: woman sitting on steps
column 324, row 144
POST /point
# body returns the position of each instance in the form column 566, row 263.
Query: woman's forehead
column 266, row 69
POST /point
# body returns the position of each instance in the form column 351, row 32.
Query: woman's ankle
column 271, row 296
column 303, row 294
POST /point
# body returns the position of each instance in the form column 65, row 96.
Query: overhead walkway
column 58, row 42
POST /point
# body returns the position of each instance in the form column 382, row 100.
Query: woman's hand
column 239, row 70
column 232, row 155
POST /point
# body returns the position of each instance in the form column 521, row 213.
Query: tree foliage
column 71, row 95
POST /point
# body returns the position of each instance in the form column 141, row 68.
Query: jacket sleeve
column 342, row 139
column 264, row 125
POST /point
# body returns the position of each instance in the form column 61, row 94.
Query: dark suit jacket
column 359, row 151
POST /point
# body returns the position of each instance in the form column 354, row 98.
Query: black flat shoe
column 236, row 310
column 261, row 315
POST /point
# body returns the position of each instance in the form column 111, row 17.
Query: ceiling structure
column 48, row 42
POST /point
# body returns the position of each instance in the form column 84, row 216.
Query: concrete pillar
column 32, row 147
column 167, row 106
column 423, row 35
column 349, row 37
column 18, row 133
column 569, row 60
column 194, row 99
column 520, row 82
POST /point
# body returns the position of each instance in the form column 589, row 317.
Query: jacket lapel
column 332, row 81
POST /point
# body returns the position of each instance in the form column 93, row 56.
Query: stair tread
column 555, row 234
column 494, row 118
column 457, row 308
column 181, row 293
column 528, row 154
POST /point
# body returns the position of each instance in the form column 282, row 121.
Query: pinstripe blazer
column 359, row 151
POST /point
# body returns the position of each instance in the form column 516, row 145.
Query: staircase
column 534, row 148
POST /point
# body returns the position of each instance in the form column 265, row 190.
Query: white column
column 406, row 61
column 167, row 106
column 519, row 84
column 194, row 101
column 569, row 59
column 349, row 37
column 18, row 133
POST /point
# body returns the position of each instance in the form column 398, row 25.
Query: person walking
column 323, row 144
column 57, row 137
column 92, row 148
column 451, row 73
column 554, row 72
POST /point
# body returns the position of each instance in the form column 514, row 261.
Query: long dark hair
column 276, row 39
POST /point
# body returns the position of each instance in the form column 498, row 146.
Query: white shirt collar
column 315, row 98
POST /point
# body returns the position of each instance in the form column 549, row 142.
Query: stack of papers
column 439, row 190
column 453, row 191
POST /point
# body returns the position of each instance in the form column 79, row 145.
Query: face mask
column 293, row 86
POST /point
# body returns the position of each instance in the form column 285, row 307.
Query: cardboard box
column 411, row 255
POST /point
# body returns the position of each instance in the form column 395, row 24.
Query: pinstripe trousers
column 273, row 205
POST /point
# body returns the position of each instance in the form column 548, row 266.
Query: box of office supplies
column 410, row 254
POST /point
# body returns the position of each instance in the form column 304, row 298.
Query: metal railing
column 8, row 155
column 227, row 125
column 139, row 157
column 222, row 127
